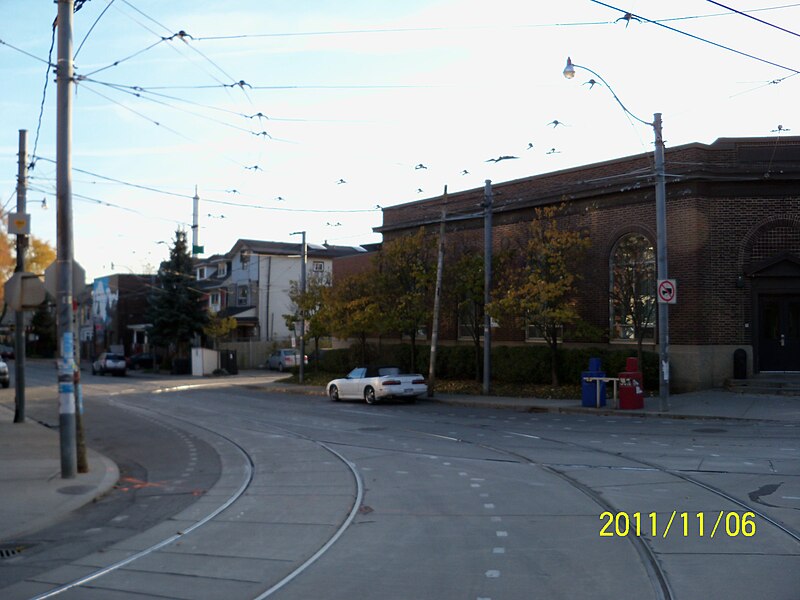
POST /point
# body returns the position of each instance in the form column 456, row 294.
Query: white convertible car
column 376, row 383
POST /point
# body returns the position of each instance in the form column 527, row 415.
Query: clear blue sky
column 362, row 91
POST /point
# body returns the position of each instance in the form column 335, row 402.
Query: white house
column 252, row 281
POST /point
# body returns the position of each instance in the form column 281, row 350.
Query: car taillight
column 416, row 381
column 391, row 382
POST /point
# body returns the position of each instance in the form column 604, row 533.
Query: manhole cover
column 710, row 430
column 75, row 490
column 10, row 550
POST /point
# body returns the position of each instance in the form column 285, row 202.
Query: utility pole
column 195, row 227
column 66, row 363
column 487, row 283
column 19, row 317
column 437, row 301
column 303, row 262
column 661, row 265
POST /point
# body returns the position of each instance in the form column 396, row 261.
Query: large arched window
column 632, row 296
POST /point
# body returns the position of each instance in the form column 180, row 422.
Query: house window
column 244, row 258
column 243, row 296
column 318, row 266
column 222, row 270
column 201, row 273
column 632, row 289
column 215, row 299
column 534, row 333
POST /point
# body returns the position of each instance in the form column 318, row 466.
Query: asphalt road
column 236, row 493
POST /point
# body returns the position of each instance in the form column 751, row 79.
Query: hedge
column 510, row 364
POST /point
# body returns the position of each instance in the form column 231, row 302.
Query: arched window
column 632, row 289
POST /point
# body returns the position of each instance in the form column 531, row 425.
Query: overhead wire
column 88, row 33
column 44, row 96
column 744, row 14
column 699, row 38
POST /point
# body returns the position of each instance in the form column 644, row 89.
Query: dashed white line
column 502, row 533
column 498, row 550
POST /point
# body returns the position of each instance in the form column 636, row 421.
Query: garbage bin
column 589, row 388
column 227, row 361
column 739, row 364
column 631, row 386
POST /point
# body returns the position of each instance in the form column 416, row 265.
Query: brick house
column 733, row 245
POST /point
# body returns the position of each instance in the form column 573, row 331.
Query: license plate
column 408, row 391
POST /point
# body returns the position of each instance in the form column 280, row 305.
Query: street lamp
column 304, row 260
column 661, row 234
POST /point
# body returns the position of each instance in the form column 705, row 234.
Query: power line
column 744, row 14
column 28, row 54
column 88, row 33
column 698, row 38
column 44, row 94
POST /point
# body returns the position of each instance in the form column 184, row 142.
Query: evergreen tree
column 175, row 310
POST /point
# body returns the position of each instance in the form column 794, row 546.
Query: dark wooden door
column 779, row 333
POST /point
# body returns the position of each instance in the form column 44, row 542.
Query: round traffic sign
column 666, row 291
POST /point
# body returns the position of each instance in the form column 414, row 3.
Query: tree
column 175, row 310
column 43, row 330
column 464, row 285
column 310, row 306
column 39, row 256
column 404, row 285
column 539, row 288
column 218, row 327
column 350, row 310
column 633, row 289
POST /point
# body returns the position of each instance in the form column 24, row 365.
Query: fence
column 252, row 354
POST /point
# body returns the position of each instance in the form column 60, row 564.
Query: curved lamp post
column 661, row 234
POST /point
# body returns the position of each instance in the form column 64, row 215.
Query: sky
column 311, row 116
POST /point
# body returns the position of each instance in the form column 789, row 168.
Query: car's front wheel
column 369, row 395
column 333, row 392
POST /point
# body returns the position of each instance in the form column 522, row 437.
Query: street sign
column 24, row 291
column 667, row 291
column 78, row 278
column 19, row 223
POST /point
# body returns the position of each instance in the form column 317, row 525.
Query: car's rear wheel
column 280, row 367
column 369, row 395
column 334, row 393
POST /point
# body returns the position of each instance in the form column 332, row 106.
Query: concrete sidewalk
column 33, row 495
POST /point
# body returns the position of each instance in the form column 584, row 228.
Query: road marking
column 791, row 497
column 488, row 506
column 476, row 479
column 493, row 574
column 525, row 435
column 484, row 495
column 498, row 550
column 496, row 519
column 502, row 534
column 474, row 485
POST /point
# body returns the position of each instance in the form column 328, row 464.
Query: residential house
column 251, row 282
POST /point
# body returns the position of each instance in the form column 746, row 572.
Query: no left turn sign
column 667, row 291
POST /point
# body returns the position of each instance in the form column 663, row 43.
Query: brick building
column 733, row 245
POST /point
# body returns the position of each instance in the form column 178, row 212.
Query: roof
column 269, row 248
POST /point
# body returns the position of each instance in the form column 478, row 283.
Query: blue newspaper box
column 589, row 388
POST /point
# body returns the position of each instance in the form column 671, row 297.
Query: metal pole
column 302, row 311
column 487, row 283
column 661, row 265
column 437, row 301
column 66, row 363
column 19, row 317
column 195, row 228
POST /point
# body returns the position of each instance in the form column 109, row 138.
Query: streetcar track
column 247, row 481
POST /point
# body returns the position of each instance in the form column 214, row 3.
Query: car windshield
column 113, row 357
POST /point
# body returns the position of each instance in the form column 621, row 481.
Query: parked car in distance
column 110, row 362
column 6, row 352
column 143, row 360
column 5, row 378
column 285, row 358
column 376, row 383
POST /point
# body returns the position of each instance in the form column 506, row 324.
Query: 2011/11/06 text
column 686, row 524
